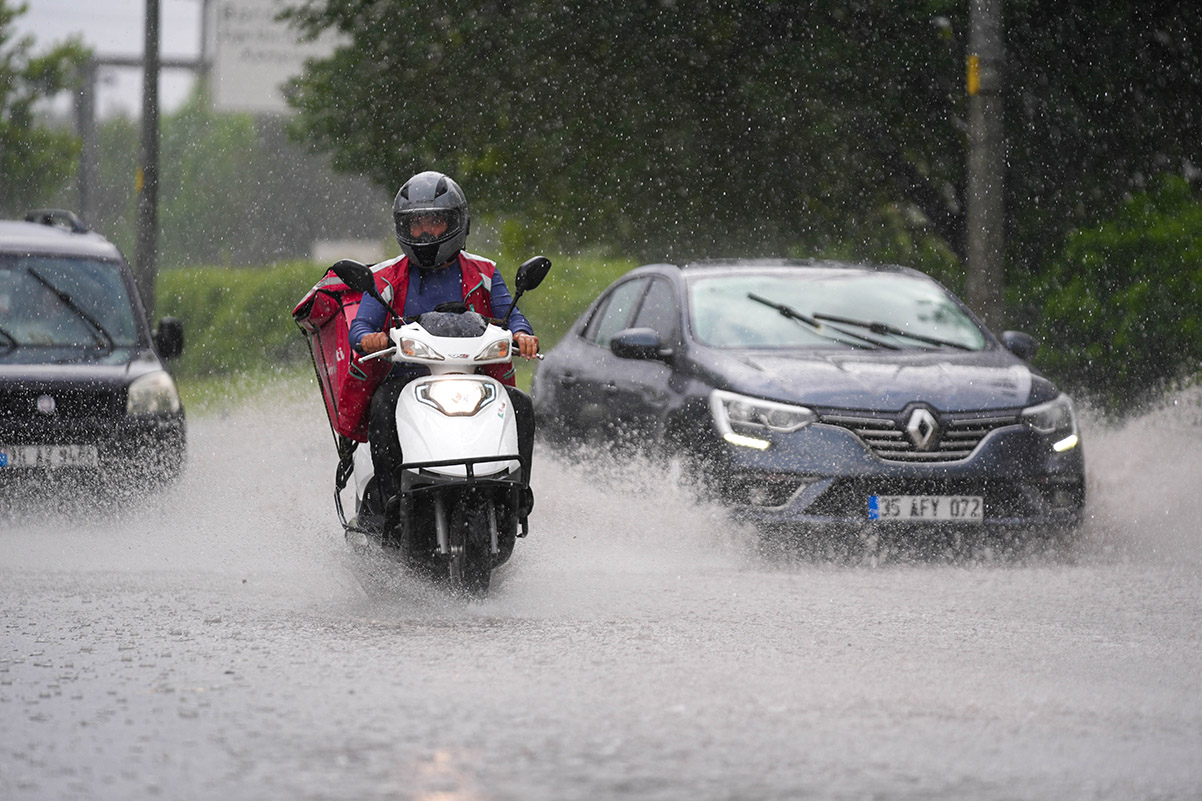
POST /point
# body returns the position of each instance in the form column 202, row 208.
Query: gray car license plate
column 949, row 508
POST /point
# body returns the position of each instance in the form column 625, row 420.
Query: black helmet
column 431, row 219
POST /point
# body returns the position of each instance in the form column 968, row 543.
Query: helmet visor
column 427, row 226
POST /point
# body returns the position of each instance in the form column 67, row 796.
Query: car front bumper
column 823, row 476
column 129, row 447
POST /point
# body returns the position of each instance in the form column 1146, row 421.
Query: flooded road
column 222, row 642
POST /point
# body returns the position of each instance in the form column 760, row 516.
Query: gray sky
column 115, row 28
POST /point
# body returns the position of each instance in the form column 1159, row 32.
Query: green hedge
column 236, row 319
column 1120, row 310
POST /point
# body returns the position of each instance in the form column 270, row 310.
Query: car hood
column 117, row 368
column 881, row 381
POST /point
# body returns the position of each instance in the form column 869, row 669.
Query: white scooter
column 462, row 494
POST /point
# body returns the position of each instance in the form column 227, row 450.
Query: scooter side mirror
column 531, row 273
column 356, row 275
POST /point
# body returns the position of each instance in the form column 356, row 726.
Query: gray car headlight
column 739, row 418
column 153, row 393
column 1056, row 420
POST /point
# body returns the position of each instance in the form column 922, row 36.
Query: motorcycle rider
column 431, row 220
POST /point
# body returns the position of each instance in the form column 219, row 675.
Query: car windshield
column 64, row 302
column 729, row 311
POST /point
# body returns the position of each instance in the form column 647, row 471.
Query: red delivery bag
column 324, row 315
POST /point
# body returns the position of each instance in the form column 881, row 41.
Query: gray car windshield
column 60, row 302
column 723, row 315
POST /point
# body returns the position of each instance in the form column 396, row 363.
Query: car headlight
column 739, row 417
column 456, row 397
column 153, row 393
column 416, row 349
column 497, row 350
column 1056, row 420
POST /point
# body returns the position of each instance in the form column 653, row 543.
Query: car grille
column 20, row 404
column 887, row 437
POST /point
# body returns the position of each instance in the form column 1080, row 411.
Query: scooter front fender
column 447, row 417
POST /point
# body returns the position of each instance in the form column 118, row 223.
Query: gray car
column 821, row 395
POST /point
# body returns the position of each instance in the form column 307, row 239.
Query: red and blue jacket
column 476, row 282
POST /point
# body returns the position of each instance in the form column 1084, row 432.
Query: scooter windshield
column 448, row 324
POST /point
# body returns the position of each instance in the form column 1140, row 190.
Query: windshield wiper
column 102, row 336
column 885, row 328
column 10, row 344
column 793, row 314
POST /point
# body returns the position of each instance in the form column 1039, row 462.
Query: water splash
column 1143, row 479
column 255, row 505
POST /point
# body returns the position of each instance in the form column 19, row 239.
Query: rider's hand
column 377, row 340
column 527, row 344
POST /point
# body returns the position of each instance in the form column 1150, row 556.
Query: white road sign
column 254, row 54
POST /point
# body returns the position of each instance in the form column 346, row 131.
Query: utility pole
column 203, row 68
column 986, row 162
column 146, row 253
column 85, row 118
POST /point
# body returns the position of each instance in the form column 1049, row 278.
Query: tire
column 470, row 563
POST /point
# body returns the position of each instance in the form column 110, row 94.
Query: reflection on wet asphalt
column 223, row 642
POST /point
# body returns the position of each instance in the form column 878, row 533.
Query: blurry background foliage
column 651, row 131
column 234, row 190
column 35, row 159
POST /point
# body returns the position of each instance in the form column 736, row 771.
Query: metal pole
column 146, row 255
column 88, row 159
column 986, row 163
column 203, row 70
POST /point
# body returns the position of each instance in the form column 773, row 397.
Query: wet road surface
column 222, row 642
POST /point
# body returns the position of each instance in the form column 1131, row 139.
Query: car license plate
column 952, row 508
column 49, row 456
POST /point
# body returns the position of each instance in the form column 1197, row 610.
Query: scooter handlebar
column 378, row 354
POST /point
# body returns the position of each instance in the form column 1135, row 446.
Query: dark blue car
column 824, row 394
column 85, row 394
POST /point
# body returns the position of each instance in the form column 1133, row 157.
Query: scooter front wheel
column 470, row 560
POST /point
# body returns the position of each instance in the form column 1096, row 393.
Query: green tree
column 1121, row 310
column 709, row 127
column 754, row 126
column 1102, row 99
column 34, row 160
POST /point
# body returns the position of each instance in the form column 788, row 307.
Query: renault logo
column 923, row 429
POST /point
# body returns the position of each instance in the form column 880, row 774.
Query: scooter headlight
column 457, row 397
column 411, row 348
column 497, row 350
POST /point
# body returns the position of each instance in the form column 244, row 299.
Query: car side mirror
column 638, row 343
column 169, row 338
column 1022, row 345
